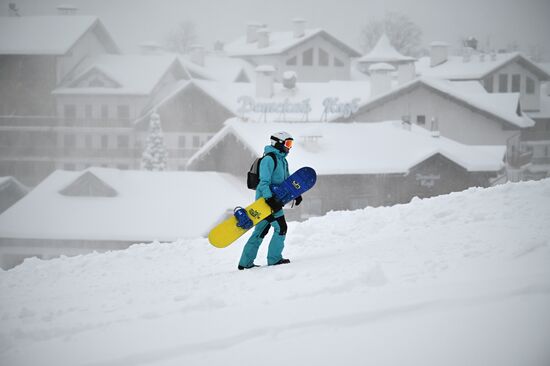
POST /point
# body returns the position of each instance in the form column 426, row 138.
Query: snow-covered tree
column 181, row 39
column 403, row 33
column 155, row 156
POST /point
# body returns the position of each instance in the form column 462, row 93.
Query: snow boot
column 282, row 261
column 252, row 266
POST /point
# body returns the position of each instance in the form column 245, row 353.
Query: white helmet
column 282, row 141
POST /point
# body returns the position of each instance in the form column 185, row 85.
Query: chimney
column 263, row 38
column 265, row 78
column 299, row 27
column 467, row 56
column 251, row 32
column 66, row 9
column 439, row 52
column 197, row 54
column 406, row 72
column 380, row 78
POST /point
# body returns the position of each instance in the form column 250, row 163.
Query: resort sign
column 331, row 106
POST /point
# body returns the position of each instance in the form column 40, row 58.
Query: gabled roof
column 383, row 51
column 501, row 106
column 334, row 148
column 280, row 42
column 48, row 35
column 220, row 68
column 136, row 74
column 148, row 206
column 455, row 68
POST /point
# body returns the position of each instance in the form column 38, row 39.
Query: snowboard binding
column 243, row 221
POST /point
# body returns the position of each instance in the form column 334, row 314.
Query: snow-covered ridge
column 454, row 280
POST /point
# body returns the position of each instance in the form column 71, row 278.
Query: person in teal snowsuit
column 270, row 174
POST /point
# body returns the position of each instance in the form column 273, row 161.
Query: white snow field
column 462, row 279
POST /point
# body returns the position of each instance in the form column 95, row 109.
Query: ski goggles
column 289, row 143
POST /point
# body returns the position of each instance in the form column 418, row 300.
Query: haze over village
column 127, row 129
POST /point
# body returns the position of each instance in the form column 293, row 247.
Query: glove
column 298, row 200
column 274, row 203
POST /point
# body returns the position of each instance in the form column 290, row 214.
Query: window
column 529, row 85
column 196, row 141
column 515, row 83
column 69, row 141
column 104, row 141
column 88, row 141
column 307, row 57
column 69, row 111
column 488, row 82
column 123, row 112
column 338, row 62
column 88, row 111
column 181, row 142
column 502, row 83
column 104, row 111
column 421, row 120
column 123, row 141
column 323, row 57
column 292, row 61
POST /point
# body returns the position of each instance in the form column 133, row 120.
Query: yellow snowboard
column 227, row 232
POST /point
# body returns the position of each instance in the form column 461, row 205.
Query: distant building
column 462, row 111
column 314, row 54
column 77, row 212
column 503, row 73
column 39, row 52
column 358, row 164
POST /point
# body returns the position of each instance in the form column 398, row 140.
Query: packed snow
column 462, row 279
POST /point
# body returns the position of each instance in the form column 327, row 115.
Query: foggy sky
column 131, row 22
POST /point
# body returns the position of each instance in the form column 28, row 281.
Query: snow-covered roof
column 147, row 206
column 381, row 66
column 47, row 35
column 456, row 68
column 358, row 148
column 134, row 74
column 280, row 42
column 503, row 106
column 220, row 68
column 383, row 51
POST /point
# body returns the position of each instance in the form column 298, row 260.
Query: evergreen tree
column 155, row 155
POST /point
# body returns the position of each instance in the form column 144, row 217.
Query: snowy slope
column 462, row 279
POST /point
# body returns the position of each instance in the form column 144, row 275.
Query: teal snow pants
column 276, row 245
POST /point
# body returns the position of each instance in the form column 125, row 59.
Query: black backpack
column 253, row 177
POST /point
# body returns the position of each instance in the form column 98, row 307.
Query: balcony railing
column 48, row 121
column 56, row 153
column 532, row 135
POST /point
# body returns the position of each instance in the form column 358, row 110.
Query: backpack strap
column 274, row 159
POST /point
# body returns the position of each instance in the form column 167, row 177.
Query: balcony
column 40, row 153
column 533, row 135
column 51, row 121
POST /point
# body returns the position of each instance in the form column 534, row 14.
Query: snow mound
column 454, row 280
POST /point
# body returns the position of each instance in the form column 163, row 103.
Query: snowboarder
column 270, row 174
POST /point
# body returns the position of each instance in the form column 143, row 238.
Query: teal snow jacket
column 269, row 175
